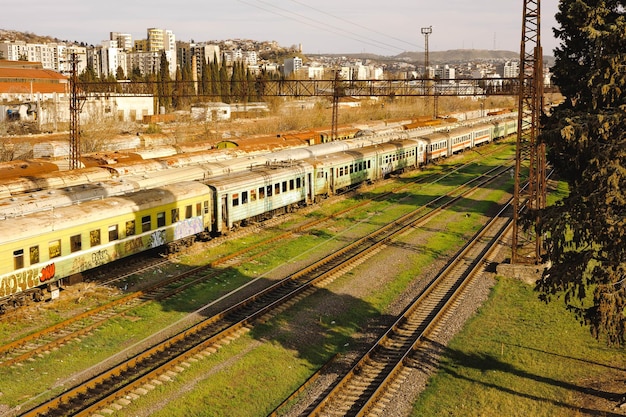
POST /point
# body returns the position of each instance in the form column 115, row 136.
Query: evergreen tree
column 586, row 140
column 119, row 74
column 89, row 75
column 216, row 85
column 135, row 75
column 189, row 86
column 205, row 84
column 177, row 91
column 224, row 83
column 164, row 79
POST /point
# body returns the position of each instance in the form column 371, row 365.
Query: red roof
column 25, row 80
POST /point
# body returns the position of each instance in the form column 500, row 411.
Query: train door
column 310, row 188
column 224, row 210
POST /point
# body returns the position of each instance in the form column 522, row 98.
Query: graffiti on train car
column 25, row 280
column 47, row 272
column 101, row 257
column 157, row 239
column 188, row 227
column 133, row 245
column 93, row 260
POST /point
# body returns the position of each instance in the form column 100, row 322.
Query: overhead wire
column 321, row 25
column 356, row 24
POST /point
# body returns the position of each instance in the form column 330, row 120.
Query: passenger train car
column 45, row 246
column 40, row 249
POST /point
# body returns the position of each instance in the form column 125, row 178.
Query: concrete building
column 158, row 40
column 292, row 65
column 207, row 112
column 111, row 58
column 445, row 72
column 124, row 40
column 509, row 69
column 53, row 56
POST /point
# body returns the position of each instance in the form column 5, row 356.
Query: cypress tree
column 586, row 140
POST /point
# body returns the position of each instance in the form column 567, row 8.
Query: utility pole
column 526, row 245
column 427, row 31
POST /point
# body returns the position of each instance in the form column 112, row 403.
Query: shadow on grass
column 454, row 360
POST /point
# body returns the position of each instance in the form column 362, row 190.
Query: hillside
column 435, row 57
column 461, row 55
column 14, row 35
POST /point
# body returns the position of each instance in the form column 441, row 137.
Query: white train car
column 482, row 133
column 259, row 193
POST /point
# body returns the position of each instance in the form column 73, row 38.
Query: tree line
column 216, row 81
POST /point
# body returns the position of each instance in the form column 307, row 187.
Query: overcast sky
column 385, row 27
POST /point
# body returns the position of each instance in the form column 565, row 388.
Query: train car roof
column 256, row 175
column 58, row 179
column 14, row 169
column 435, row 136
column 66, row 217
column 47, row 199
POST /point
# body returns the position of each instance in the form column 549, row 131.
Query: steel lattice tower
column 75, row 107
column 530, row 174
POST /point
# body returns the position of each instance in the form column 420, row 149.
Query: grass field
column 521, row 357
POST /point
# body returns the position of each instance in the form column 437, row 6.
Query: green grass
column 231, row 389
column 517, row 357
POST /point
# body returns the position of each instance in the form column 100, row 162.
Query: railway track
column 139, row 371
column 367, row 386
column 46, row 340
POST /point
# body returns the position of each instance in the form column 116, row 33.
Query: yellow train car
column 39, row 250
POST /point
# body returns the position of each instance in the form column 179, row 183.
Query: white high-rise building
column 292, row 65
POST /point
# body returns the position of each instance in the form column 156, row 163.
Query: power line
column 322, row 25
column 355, row 24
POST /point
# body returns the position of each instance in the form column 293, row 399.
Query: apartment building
column 52, row 56
column 292, row 65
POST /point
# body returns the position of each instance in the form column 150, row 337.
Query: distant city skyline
column 385, row 28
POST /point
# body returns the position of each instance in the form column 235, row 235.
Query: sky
column 384, row 27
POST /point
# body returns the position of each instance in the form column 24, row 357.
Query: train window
column 198, row 209
column 18, row 259
column 54, row 248
column 341, row 171
column 235, row 199
column 252, row 195
column 130, row 228
column 161, row 219
column 346, row 170
column 188, row 212
column 351, row 169
column 269, row 190
column 175, row 214
column 262, row 192
column 145, row 223
column 244, row 197
column 75, row 243
column 277, row 188
column 94, row 237
column 206, row 207
column 34, row 255
column 320, row 174
column 284, row 186
column 292, row 182
column 369, row 164
column 298, row 183
column 113, row 233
